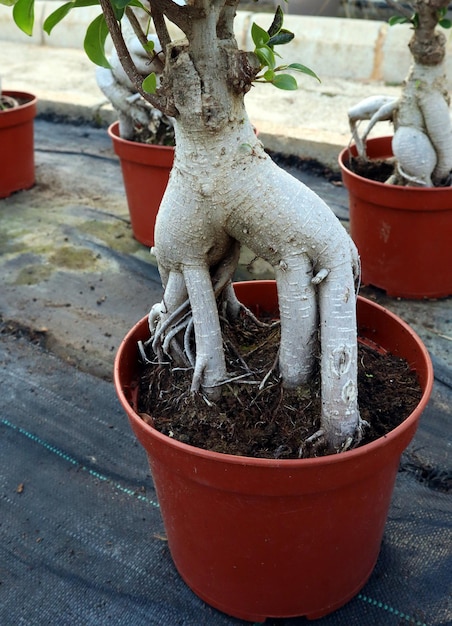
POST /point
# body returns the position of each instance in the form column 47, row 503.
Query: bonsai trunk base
column 402, row 233
column 259, row 538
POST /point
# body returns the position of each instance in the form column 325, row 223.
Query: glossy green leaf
column 24, row 15
column 445, row 23
column 55, row 18
column 259, row 35
column 304, row 70
column 150, row 83
column 285, row 81
column 122, row 4
column 284, row 36
column 397, row 19
column 149, row 46
column 277, row 23
column 266, row 57
column 269, row 76
column 94, row 43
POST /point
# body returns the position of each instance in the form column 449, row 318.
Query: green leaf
column 149, row 84
column 149, row 46
column 397, row 19
column 284, row 36
column 266, row 57
column 120, row 5
column 259, row 35
column 55, row 18
column 285, row 81
column 277, row 23
column 94, row 43
column 304, row 70
column 269, row 76
column 445, row 23
column 8, row 3
column 24, row 15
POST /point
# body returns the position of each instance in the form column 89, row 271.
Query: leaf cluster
column 97, row 32
column 265, row 42
column 443, row 21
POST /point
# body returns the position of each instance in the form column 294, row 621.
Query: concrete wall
column 332, row 47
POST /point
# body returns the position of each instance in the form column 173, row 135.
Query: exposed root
column 270, row 422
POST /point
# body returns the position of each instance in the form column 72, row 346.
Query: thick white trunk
column 224, row 188
column 422, row 141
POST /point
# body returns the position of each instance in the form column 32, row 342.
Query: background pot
column 403, row 234
column 145, row 171
column 260, row 538
column 17, row 163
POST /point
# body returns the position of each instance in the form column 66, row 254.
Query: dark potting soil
column 378, row 170
column 271, row 422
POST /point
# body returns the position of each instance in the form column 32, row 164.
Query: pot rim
column 347, row 456
column 376, row 141
column 113, row 131
column 30, row 98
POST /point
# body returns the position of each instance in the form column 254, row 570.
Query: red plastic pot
column 17, row 163
column 258, row 538
column 403, row 234
column 145, row 171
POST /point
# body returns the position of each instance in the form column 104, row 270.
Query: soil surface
column 270, row 422
column 378, row 170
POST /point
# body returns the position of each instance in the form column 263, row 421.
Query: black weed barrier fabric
column 82, row 541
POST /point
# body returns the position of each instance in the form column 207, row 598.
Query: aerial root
column 187, row 342
column 164, row 332
column 318, row 439
column 270, row 371
column 321, row 275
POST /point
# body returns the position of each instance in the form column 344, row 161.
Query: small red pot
column 17, row 162
column 258, row 538
column 403, row 234
column 145, row 171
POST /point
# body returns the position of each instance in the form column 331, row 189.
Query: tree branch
column 160, row 26
column 127, row 62
column 181, row 16
column 402, row 10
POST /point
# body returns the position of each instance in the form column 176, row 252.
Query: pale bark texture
column 422, row 143
column 225, row 191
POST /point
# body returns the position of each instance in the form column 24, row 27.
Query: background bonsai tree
column 225, row 191
column 422, row 143
column 138, row 119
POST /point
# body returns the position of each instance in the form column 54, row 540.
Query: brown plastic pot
column 17, row 162
column 403, row 234
column 258, row 538
column 145, row 171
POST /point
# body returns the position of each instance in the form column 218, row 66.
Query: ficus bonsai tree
column 224, row 192
column 422, row 143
